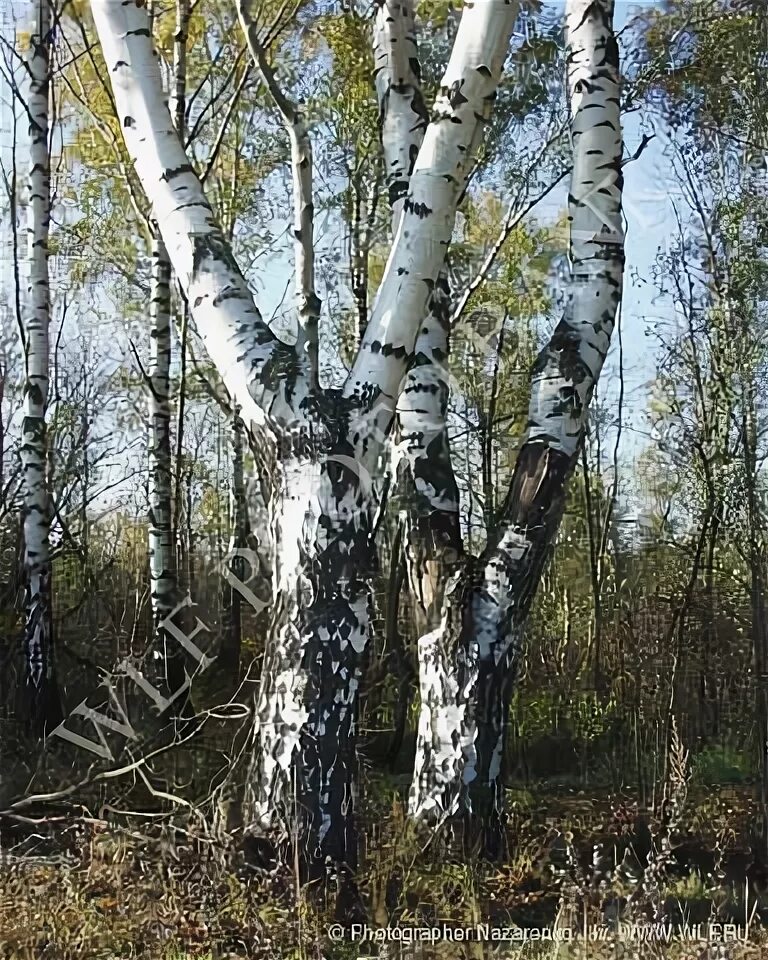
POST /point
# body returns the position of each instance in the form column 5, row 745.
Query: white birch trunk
column 306, row 707
column 567, row 371
column 434, row 548
column 162, row 554
column 178, row 98
column 307, row 702
column 38, row 632
column 424, row 455
column 562, row 382
column 238, row 542
column 403, row 116
column 307, row 301
column 164, row 574
column 432, row 535
column 433, row 544
column 424, row 231
column 257, row 369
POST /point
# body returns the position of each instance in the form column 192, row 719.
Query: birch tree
column 329, row 443
column 162, row 553
column 164, row 581
column 433, row 544
column 307, row 302
column 403, row 115
column 38, row 630
column 425, row 469
column 461, row 744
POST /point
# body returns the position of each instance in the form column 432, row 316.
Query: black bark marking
column 454, row 95
column 397, row 190
column 421, row 210
column 172, row 172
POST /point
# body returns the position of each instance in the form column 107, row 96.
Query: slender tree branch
column 515, row 216
column 307, row 301
column 224, row 126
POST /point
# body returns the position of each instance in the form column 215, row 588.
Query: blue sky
column 649, row 189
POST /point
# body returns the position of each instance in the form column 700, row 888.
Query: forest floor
column 86, row 888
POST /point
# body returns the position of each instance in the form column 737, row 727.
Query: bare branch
column 513, row 219
column 307, row 302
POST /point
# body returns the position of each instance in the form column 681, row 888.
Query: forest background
column 637, row 730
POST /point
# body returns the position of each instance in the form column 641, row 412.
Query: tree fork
column 496, row 604
column 563, row 381
column 330, row 444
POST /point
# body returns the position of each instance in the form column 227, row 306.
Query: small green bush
column 723, row 764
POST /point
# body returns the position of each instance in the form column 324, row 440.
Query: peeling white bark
column 444, row 745
column 258, row 370
column 280, row 709
column 38, row 633
column 307, row 700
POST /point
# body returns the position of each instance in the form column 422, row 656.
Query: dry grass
column 103, row 892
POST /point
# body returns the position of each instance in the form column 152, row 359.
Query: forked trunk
column 499, row 596
column 329, row 444
column 336, row 551
column 438, row 179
